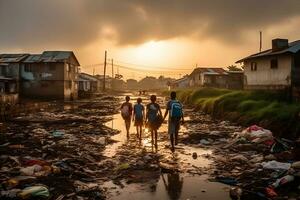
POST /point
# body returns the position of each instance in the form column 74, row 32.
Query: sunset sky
column 166, row 37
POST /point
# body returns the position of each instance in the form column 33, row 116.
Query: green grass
column 269, row 109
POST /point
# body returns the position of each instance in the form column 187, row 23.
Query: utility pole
column 260, row 41
column 112, row 68
column 94, row 71
column 104, row 71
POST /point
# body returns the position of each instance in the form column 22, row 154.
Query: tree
column 234, row 68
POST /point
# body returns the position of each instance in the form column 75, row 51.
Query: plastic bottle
column 283, row 180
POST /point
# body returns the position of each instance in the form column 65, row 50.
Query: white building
column 276, row 68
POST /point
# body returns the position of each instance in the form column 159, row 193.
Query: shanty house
column 208, row 77
column 9, row 77
column 275, row 68
column 235, row 80
column 180, row 83
column 88, row 83
column 52, row 74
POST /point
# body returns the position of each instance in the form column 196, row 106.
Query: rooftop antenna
column 260, row 41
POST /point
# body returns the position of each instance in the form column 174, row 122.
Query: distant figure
column 138, row 117
column 153, row 116
column 174, row 109
column 126, row 112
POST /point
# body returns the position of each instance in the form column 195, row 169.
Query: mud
column 84, row 153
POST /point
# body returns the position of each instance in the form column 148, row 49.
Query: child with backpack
column 174, row 109
column 126, row 112
column 153, row 117
column 138, row 117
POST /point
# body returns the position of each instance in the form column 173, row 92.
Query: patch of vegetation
column 271, row 110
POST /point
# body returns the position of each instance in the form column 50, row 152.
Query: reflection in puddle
column 172, row 187
column 117, row 123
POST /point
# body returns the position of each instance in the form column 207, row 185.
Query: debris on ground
column 55, row 153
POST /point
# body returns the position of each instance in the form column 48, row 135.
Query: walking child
column 174, row 109
column 152, row 118
column 138, row 117
column 126, row 112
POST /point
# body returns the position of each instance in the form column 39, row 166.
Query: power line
column 160, row 67
column 145, row 70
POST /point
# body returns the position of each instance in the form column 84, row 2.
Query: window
column 4, row 70
column 253, row 66
column 274, row 63
column 199, row 76
column 28, row 68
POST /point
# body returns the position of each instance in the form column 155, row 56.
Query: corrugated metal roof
column 51, row 56
column 87, row 77
column 294, row 47
column 55, row 56
column 12, row 58
column 209, row 70
column 33, row 58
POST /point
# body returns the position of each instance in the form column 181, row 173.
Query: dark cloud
column 74, row 23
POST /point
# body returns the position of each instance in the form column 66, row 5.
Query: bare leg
column 141, row 130
column 155, row 138
column 127, row 124
column 172, row 142
column 177, row 127
column 176, row 137
column 152, row 141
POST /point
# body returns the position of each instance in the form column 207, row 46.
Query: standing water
column 169, row 186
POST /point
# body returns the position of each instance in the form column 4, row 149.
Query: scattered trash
column 284, row 180
column 258, row 134
column 204, row 142
column 34, row 192
column 275, row 165
column 101, row 140
column 58, row 133
column 123, row 166
column 227, row 180
column 195, row 155
column 80, row 186
column 271, row 192
column 296, row 165
column 240, row 158
column 236, row 193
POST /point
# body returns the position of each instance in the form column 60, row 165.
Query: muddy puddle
column 173, row 187
column 179, row 185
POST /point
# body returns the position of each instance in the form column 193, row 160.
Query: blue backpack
column 138, row 110
column 176, row 109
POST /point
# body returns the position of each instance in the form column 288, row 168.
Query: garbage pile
column 261, row 167
column 54, row 155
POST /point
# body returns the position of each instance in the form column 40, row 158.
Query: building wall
column 235, row 81
column 265, row 77
column 48, row 80
column 196, row 79
column 10, row 71
column 219, row 81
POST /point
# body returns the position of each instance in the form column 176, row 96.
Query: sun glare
column 151, row 50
